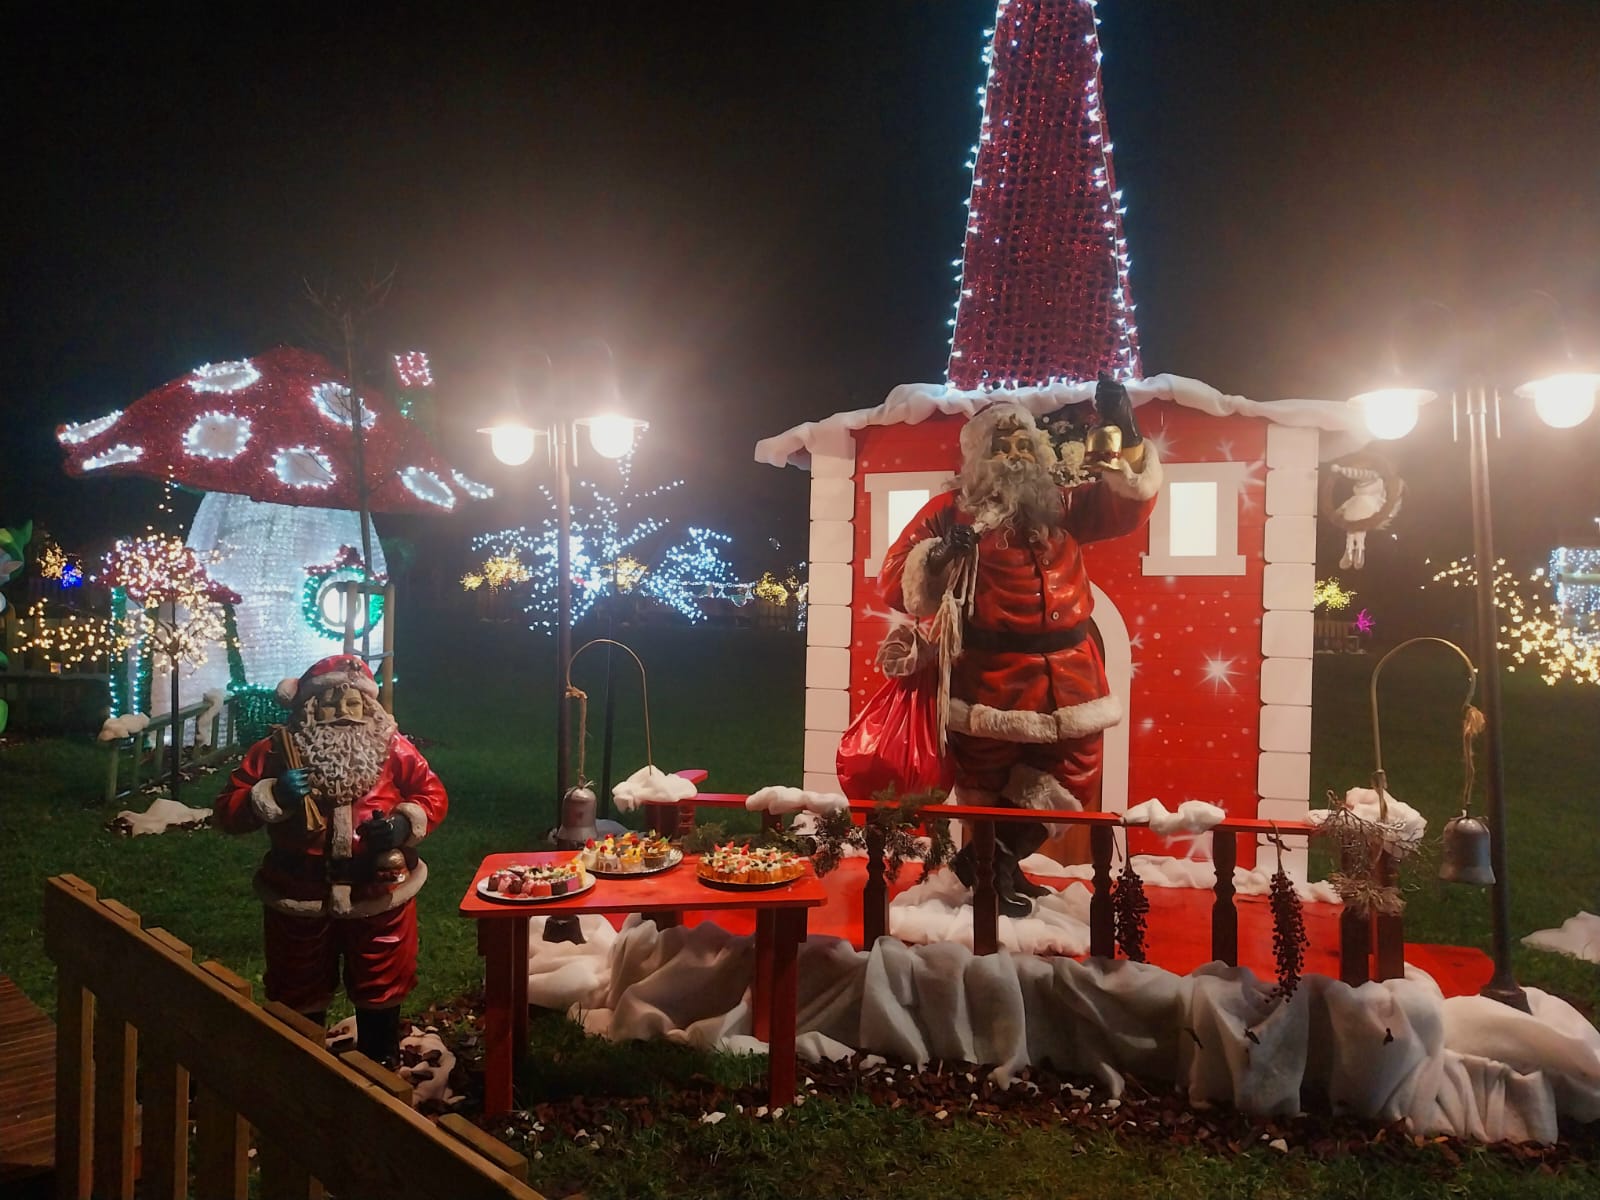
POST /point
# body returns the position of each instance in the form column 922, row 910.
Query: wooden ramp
column 27, row 1089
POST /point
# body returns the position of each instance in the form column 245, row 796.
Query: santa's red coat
column 292, row 878
column 1023, row 588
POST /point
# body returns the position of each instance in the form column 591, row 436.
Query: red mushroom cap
column 276, row 428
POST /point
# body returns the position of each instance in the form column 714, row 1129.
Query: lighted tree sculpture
column 270, row 441
column 176, row 612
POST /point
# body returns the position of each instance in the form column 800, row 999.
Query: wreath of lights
column 346, row 567
column 232, row 376
column 217, row 434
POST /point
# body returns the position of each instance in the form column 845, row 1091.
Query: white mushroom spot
column 120, row 453
column 73, row 433
column 478, row 491
column 303, row 467
column 220, row 435
column 334, row 402
column 224, row 376
column 425, row 485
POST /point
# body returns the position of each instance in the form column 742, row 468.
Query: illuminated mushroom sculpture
column 271, row 443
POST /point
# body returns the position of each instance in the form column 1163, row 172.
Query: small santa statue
column 345, row 799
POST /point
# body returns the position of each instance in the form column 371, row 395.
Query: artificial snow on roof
column 913, row 403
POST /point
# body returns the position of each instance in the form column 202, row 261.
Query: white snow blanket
column 781, row 800
column 1578, row 936
column 913, row 403
column 162, row 815
column 1193, row 816
column 650, row 785
column 1160, row 870
column 117, row 728
column 1387, row 1051
column 1405, row 825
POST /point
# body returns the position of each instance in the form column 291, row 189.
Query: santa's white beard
column 998, row 492
column 345, row 761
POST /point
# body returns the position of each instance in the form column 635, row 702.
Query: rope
column 582, row 697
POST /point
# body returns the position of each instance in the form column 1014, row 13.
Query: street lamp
column 512, row 440
column 1562, row 401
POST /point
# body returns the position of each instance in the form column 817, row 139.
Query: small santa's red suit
column 323, row 901
column 1028, row 694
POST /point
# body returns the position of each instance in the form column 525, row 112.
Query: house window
column 1194, row 529
column 896, row 497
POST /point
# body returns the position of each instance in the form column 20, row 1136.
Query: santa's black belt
column 318, row 868
column 997, row 641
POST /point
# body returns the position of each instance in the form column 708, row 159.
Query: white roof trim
column 913, row 403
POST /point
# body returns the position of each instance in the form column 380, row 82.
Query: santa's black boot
column 1005, row 875
column 378, row 1034
column 1023, row 840
column 961, row 864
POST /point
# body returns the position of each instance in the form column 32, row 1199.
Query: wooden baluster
column 875, row 896
column 1355, row 933
column 1102, row 922
column 985, row 900
column 1224, row 916
column 221, row 1136
column 164, row 1125
column 1389, row 928
column 116, row 1107
column 74, row 1088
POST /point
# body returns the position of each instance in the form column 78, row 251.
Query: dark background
column 756, row 204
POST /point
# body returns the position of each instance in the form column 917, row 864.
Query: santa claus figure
column 1028, row 693
column 345, row 799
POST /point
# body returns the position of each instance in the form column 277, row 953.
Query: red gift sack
column 894, row 741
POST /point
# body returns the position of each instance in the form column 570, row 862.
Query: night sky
column 755, row 205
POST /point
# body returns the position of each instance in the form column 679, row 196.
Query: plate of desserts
column 629, row 855
column 529, row 883
column 747, row 868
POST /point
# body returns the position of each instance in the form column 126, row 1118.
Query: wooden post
column 74, row 1088
column 1355, row 935
column 164, row 1124
column 1389, row 928
column 221, row 1136
column 985, row 900
column 1224, row 916
column 116, row 1108
column 875, row 896
column 1102, row 921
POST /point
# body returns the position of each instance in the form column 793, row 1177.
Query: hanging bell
column 578, row 808
column 1466, row 852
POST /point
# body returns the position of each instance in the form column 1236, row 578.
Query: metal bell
column 578, row 808
column 1466, row 852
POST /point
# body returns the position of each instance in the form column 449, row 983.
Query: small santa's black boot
column 378, row 1034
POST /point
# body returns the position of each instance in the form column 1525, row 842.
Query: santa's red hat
column 336, row 670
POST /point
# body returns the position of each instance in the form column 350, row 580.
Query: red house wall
column 1194, row 711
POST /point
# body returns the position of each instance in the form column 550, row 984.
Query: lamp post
column 1561, row 401
column 513, row 440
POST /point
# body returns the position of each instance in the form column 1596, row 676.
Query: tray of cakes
column 745, row 867
column 529, row 883
column 629, row 855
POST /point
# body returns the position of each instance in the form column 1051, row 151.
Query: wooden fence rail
column 125, row 762
column 1370, row 947
column 137, row 1019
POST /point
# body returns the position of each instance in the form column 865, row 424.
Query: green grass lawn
column 482, row 698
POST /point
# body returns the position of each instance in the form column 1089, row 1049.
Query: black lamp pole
column 1503, row 985
column 562, row 440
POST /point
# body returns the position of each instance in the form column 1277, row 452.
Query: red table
column 503, row 945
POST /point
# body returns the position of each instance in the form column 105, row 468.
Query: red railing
column 1370, row 947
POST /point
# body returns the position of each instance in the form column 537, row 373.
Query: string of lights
column 1532, row 631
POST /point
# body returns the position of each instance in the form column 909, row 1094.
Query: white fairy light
column 334, row 402
column 303, row 467
column 428, row 487
column 120, row 453
column 217, row 434
column 232, row 376
column 81, row 431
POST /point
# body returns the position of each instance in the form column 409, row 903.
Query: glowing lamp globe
column 611, row 436
column 1562, row 401
column 511, row 442
column 1391, row 413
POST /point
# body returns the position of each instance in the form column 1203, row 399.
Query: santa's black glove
column 384, row 833
column 956, row 540
column 1115, row 408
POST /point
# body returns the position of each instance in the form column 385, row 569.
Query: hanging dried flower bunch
column 1130, row 908
column 1289, row 939
column 1361, row 843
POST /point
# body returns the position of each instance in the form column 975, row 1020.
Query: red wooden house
column 1206, row 617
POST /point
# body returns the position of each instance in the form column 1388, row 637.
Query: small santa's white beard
column 345, row 761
